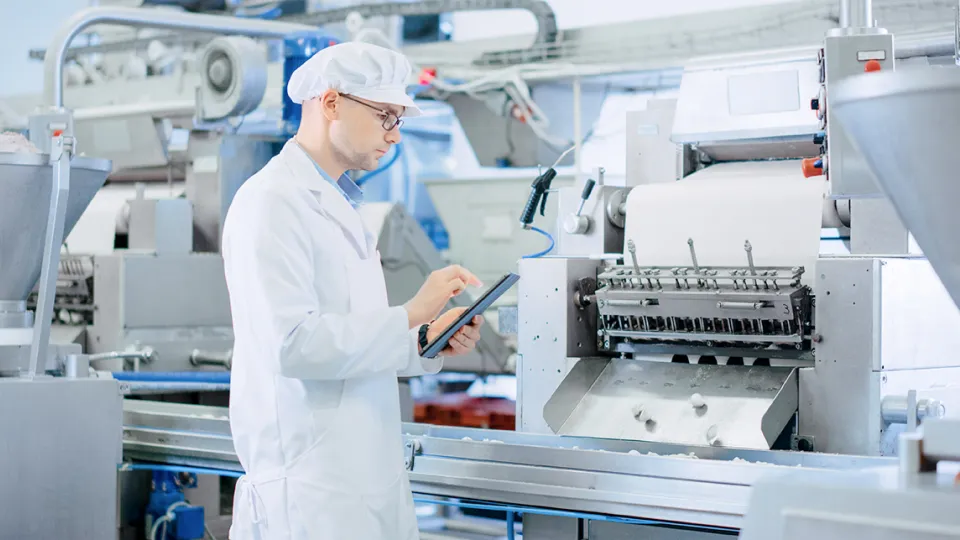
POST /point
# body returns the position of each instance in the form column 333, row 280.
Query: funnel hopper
column 25, row 184
column 906, row 124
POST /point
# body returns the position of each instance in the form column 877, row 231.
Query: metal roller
column 234, row 78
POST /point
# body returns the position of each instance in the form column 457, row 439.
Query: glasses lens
column 390, row 122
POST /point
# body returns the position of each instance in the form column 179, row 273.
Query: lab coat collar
column 333, row 203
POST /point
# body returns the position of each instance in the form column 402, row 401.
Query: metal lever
column 693, row 256
column 753, row 270
column 587, row 189
column 632, row 248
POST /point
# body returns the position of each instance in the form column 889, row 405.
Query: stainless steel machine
column 667, row 380
column 61, row 434
column 659, row 383
column 916, row 172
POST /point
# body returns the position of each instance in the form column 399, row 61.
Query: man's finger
column 465, row 275
column 470, row 332
column 456, row 286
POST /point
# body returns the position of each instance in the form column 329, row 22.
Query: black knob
column 815, row 104
column 819, row 138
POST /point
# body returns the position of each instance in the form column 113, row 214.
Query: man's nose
column 393, row 136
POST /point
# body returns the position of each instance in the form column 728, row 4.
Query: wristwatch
column 422, row 337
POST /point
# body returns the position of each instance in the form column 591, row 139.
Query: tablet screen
column 482, row 304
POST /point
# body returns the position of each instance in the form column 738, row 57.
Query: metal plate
column 742, row 406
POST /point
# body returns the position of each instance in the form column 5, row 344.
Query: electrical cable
column 544, row 252
column 393, row 159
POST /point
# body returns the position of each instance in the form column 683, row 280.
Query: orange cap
column 812, row 167
column 871, row 66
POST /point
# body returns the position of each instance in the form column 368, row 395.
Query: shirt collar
column 345, row 185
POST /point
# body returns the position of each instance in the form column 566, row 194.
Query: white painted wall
column 580, row 13
column 24, row 26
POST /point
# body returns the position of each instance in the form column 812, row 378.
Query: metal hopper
column 906, row 123
column 25, row 184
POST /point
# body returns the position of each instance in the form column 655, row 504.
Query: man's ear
column 330, row 104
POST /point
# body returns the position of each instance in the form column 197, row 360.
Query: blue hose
column 393, row 159
column 213, row 377
column 544, row 252
column 178, row 468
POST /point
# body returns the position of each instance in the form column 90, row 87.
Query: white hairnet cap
column 360, row 69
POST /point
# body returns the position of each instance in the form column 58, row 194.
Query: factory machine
column 684, row 349
column 160, row 303
column 688, row 340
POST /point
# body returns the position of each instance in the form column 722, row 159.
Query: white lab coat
column 314, row 401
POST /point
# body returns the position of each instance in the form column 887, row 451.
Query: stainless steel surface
column 25, row 189
column 14, row 314
column 651, row 155
column 846, row 56
column 570, row 473
column 754, row 108
column 917, row 173
column 173, row 304
column 877, row 504
column 876, row 228
column 58, row 461
column 553, row 333
column 733, row 406
column 840, row 396
column 142, row 18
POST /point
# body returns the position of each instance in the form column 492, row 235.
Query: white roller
column 234, row 78
column 768, row 203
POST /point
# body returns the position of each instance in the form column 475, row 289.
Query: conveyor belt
column 611, row 477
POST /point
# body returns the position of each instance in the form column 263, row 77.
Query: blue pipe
column 213, row 377
column 177, row 469
column 396, row 154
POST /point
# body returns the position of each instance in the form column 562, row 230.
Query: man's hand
column 439, row 288
column 464, row 341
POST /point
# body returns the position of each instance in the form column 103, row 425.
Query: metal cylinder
column 76, row 366
column 856, row 13
column 894, row 409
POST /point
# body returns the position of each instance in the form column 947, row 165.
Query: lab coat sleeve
column 276, row 259
column 418, row 365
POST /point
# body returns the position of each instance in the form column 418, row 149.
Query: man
column 314, row 403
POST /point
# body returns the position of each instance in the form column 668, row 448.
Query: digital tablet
column 482, row 304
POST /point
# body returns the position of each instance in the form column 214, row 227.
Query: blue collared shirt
column 345, row 185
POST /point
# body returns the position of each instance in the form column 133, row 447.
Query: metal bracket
column 410, row 450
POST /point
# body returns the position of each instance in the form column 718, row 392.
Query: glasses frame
column 391, row 122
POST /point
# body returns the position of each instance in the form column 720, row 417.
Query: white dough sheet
column 769, row 203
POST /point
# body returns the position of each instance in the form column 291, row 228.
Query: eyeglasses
column 390, row 120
